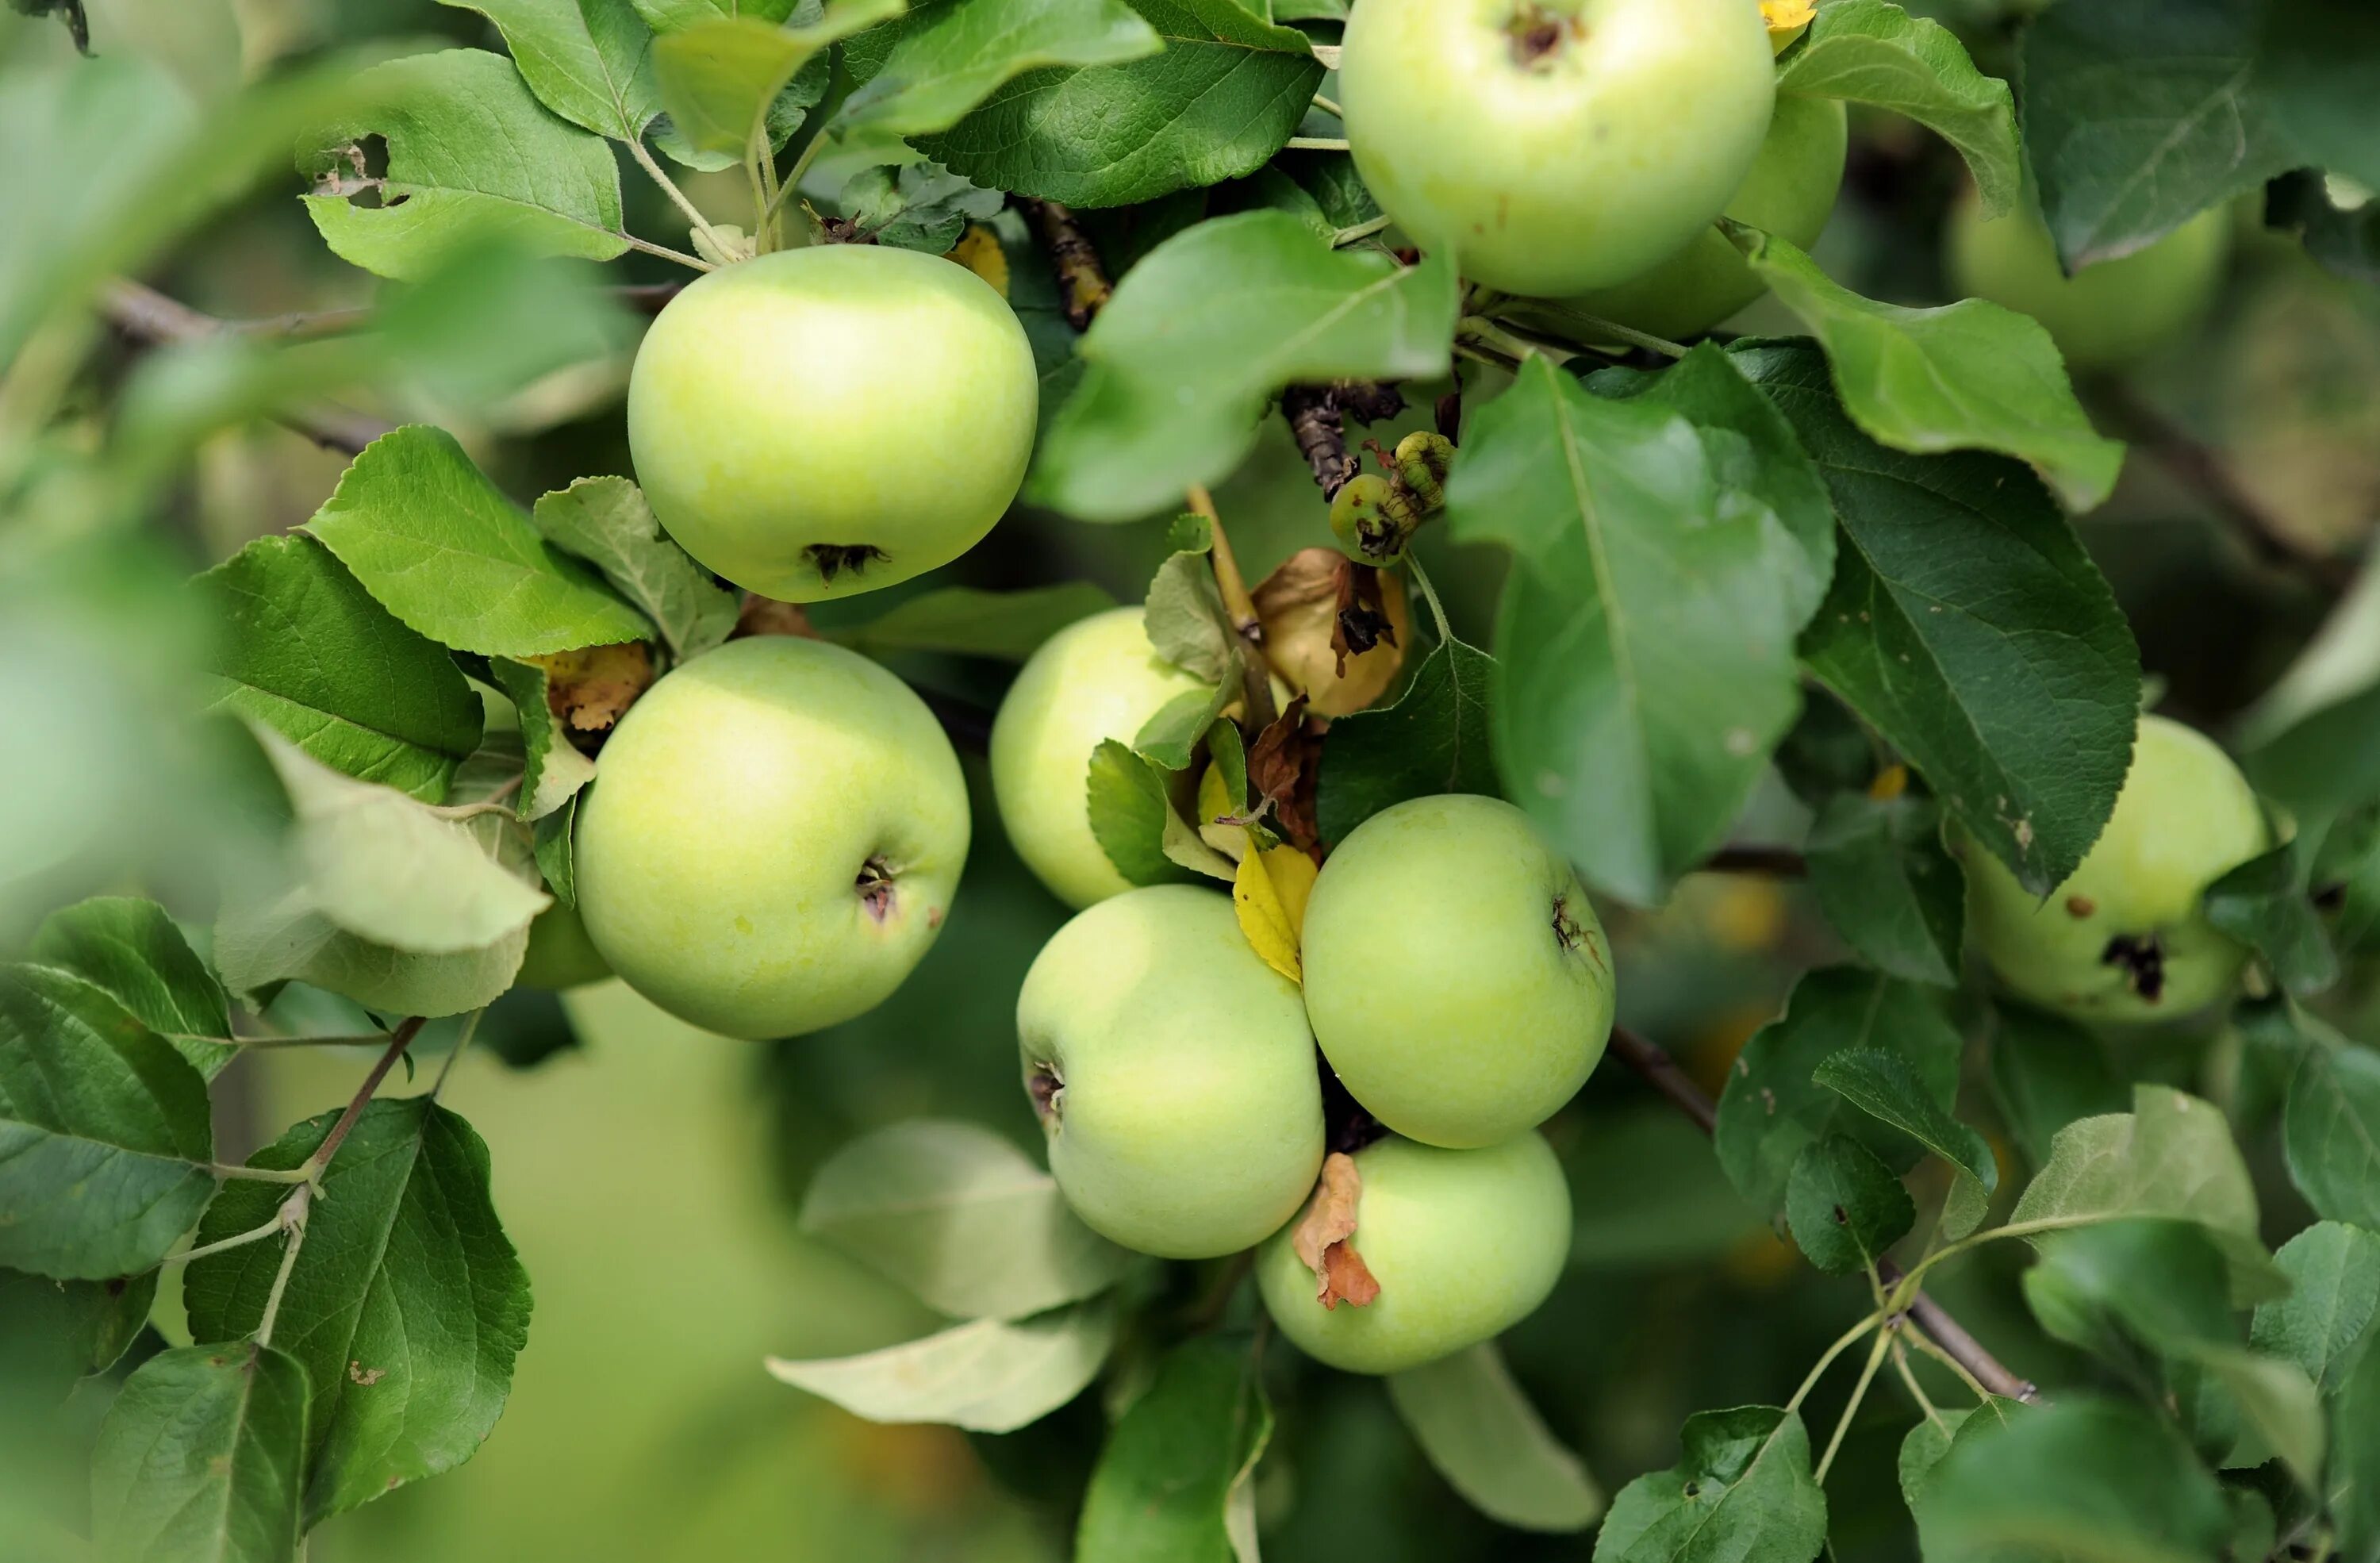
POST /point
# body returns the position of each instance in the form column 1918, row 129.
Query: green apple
column 1557, row 145
column 2123, row 939
column 824, row 421
column 2104, row 316
column 1789, row 192
column 772, row 838
column 1099, row 678
column 559, row 954
column 1464, row 1243
column 1172, row 1073
column 1456, row 976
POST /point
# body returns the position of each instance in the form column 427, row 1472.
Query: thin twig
column 223, row 1245
column 398, row 1040
column 291, row 1218
column 148, row 317
column 665, row 252
column 1083, row 285
column 1328, row 107
column 1776, row 862
column 1661, row 1071
column 660, row 175
column 470, row 1029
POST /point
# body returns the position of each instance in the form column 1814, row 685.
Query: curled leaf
column 1283, row 764
column 1323, row 1237
column 1333, row 629
column 589, row 689
column 1269, row 891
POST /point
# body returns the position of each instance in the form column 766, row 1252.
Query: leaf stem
column 224, row 1245
column 1327, row 106
column 1918, row 1339
column 398, row 1040
column 1346, row 237
column 291, row 1217
column 1850, row 1407
column 1316, row 143
column 1916, row 1390
column 1429, row 595
column 261, row 1174
column 470, row 1029
column 360, row 1039
column 677, row 197
column 1843, row 1343
column 801, row 161
column 665, row 252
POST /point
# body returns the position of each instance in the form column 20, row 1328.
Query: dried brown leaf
column 1322, row 1238
column 1282, row 767
column 1333, row 629
column 589, row 689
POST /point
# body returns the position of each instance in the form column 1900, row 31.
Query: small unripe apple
column 1456, row 976
column 1099, row 678
column 1464, row 1244
column 559, row 954
column 772, row 838
column 1557, row 145
column 2106, row 315
column 2124, row 938
column 824, row 421
column 1172, row 1073
column 1789, row 192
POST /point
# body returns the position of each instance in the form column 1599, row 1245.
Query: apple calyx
column 1047, row 1087
column 875, row 883
column 831, row 560
column 1536, row 32
column 2141, row 959
column 1323, row 1237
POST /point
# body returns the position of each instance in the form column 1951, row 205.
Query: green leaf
column 471, row 153
column 53, row 1332
column 1174, row 1480
column 1433, row 740
column 1845, row 1207
column 385, row 868
column 2331, row 1131
column 606, row 522
column 1170, row 739
column 1204, row 331
column 674, row 16
column 1223, row 97
column 2314, row 71
column 1129, row 811
column 132, row 952
column 961, row 1218
column 552, row 852
column 1966, row 376
column 1887, row 1087
column 1007, row 626
column 104, row 1133
column 2334, row 1272
column 2171, row 1155
column 2084, row 1478
column 1482, row 1435
column 1772, row 1107
column 2048, row 1072
column 2354, row 1474
column 445, row 552
column 2140, row 114
column 1928, row 1442
column 201, row 1457
column 406, row 1303
column 1885, row 884
column 305, row 649
column 1185, row 622
column 1741, row 1489
column 1644, row 650
column 950, row 58
column 2266, row 903
column 589, row 60
column 552, row 771
column 1870, row 51
column 719, row 77
column 916, row 205
column 989, row 1376
column 1962, row 609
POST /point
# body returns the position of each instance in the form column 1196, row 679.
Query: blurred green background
column 648, row 1175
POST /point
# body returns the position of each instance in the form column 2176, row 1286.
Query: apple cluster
column 1457, row 984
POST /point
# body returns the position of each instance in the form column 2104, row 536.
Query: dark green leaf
column 199, row 1458
column 1885, row 884
column 2334, row 1271
column 552, row 852
column 2331, row 1129
column 2139, row 113
column 2344, row 236
column 1644, row 646
column 1773, row 1107
column 1224, row 95
column 1201, row 333
column 1433, row 740
column 1962, row 609
column 304, row 647
column 2317, row 72
column 2354, row 1470
column 2327, row 761
column 1845, row 1207
column 1174, row 1480
column 606, row 522
column 406, row 1303
column 1741, row 1489
column 949, row 58
column 104, row 1137
column 1129, row 810
column 53, row 1332
column 2265, row 905
column 132, row 950
column 914, row 206
column 1481, row 1432
column 527, row 1026
column 2048, row 1072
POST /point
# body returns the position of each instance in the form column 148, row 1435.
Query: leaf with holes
column 133, row 952
column 1845, row 1207
column 1741, row 1489
column 1887, row 1087
column 406, row 1304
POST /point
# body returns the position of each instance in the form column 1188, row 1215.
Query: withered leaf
column 592, row 687
column 1332, row 628
column 1323, row 1238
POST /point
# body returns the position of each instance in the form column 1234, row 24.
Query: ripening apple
column 2106, row 315
column 1465, row 1244
column 824, row 421
column 559, row 954
column 1456, row 976
column 2124, row 938
column 1172, row 1073
column 1789, row 192
column 1099, row 678
column 772, row 838
column 1557, row 145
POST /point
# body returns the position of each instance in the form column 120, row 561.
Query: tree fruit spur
column 774, row 839
column 1556, row 146
column 2124, row 937
column 823, row 422
column 1172, row 1072
column 1456, row 976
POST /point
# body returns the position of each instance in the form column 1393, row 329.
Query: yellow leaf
column 979, row 251
column 1786, row 18
column 1889, row 783
column 1269, row 891
column 1214, row 807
